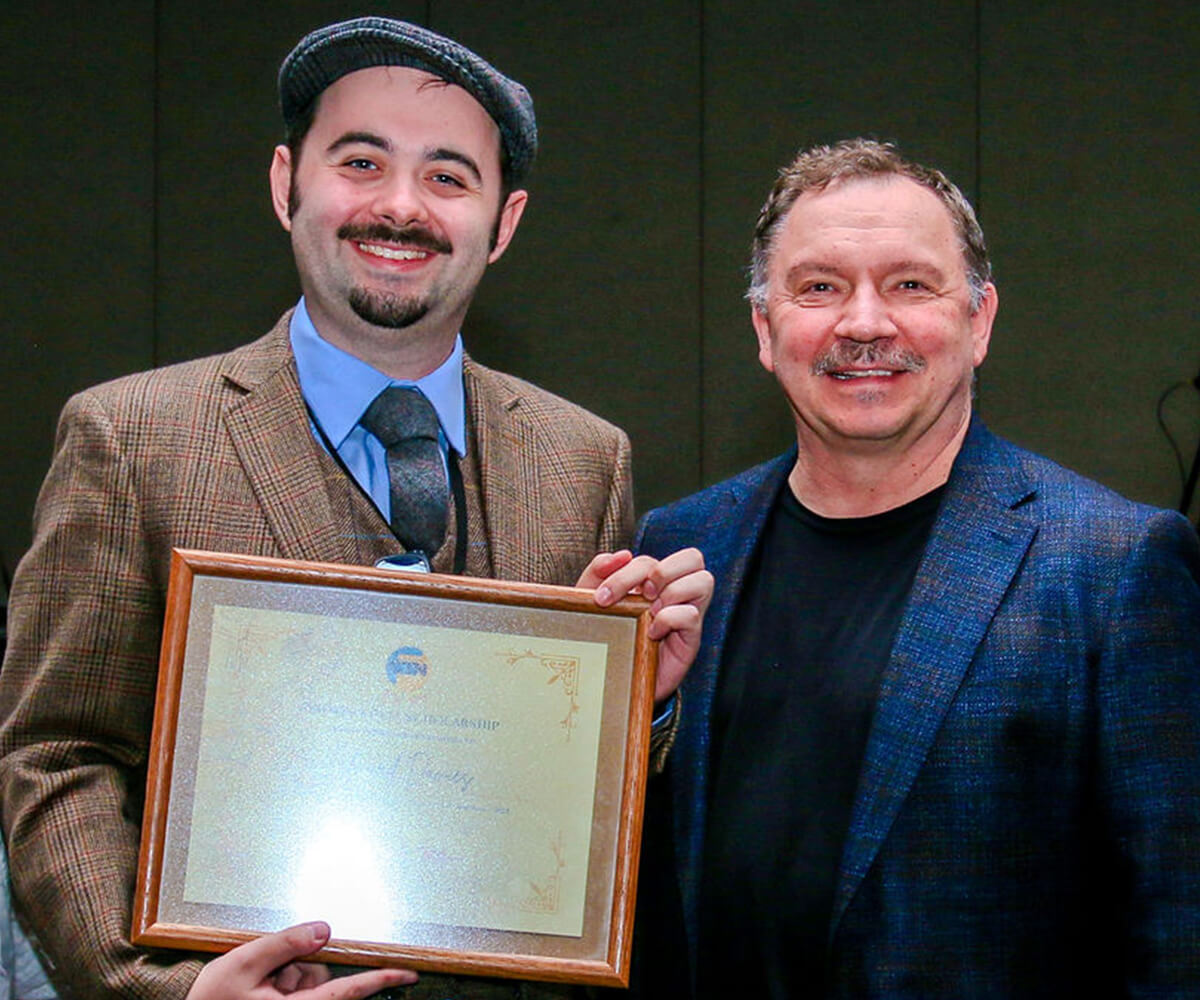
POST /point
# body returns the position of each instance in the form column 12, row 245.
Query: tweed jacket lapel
column 509, row 450
column 974, row 552
column 268, row 425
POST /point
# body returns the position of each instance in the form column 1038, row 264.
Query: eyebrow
column 366, row 138
column 807, row 267
column 919, row 267
column 441, row 153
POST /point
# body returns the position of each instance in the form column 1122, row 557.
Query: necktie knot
column 398, row 414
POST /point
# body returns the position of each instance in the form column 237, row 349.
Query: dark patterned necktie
column 407, row 425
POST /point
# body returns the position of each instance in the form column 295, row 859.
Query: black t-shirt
column 799, row 680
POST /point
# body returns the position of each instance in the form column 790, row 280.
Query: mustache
column 850, row 353
column 413, row 236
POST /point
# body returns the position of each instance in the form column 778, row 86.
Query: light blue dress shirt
column 22, row 976
column 339, row 387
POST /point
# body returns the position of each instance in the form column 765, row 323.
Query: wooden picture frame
column 449, row 770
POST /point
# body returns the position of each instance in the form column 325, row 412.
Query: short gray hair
column 817, row 168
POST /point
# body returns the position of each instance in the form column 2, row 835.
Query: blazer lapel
column 732, row 526
column 268, row 425
column 508, row 450
column 975, row 550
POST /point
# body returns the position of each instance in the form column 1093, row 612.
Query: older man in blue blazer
column 943, row 738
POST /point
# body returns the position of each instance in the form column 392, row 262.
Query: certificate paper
column 443, row 779
column 469, row 790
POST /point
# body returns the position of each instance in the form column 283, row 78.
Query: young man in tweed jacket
column 399, row 183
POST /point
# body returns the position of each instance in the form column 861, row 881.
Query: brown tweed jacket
column 216, row 454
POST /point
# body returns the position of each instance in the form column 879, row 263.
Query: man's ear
column 762, row 329
column 281, row 185
column 981, row 323
column 510, row 215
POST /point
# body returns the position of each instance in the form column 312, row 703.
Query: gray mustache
column 847, row 354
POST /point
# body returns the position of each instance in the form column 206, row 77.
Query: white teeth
column 392, row 253
column 868, row 373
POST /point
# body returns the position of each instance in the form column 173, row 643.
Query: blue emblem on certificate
column 407, row 669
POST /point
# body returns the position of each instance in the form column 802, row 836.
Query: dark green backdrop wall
column 137, row 137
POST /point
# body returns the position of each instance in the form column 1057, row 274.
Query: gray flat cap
column 329, row 53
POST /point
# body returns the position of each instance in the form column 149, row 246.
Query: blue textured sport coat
column 1027, row 820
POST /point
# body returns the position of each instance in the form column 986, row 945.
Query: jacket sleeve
column 77, row 699
column 1148, row 756
column 616, row 529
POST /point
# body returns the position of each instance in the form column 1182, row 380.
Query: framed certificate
column 449, row 771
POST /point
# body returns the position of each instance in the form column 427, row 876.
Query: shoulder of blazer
column 735, row 504
column 993, row 471
column 494, row 393
column 179, row 386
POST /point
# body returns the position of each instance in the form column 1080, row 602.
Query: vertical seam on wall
column 979, row 153
column 155, row 187
column 979, row 107
column 700, row 255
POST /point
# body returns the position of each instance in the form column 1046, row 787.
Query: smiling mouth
column 392, row 253
column 412, row 243
column 846, row 376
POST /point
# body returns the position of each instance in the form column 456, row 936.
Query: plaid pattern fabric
column 1028, row 815
column 215, row 454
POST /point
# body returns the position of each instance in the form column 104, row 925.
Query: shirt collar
column 339, row 387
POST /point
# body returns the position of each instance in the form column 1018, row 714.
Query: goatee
column 382, row 309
